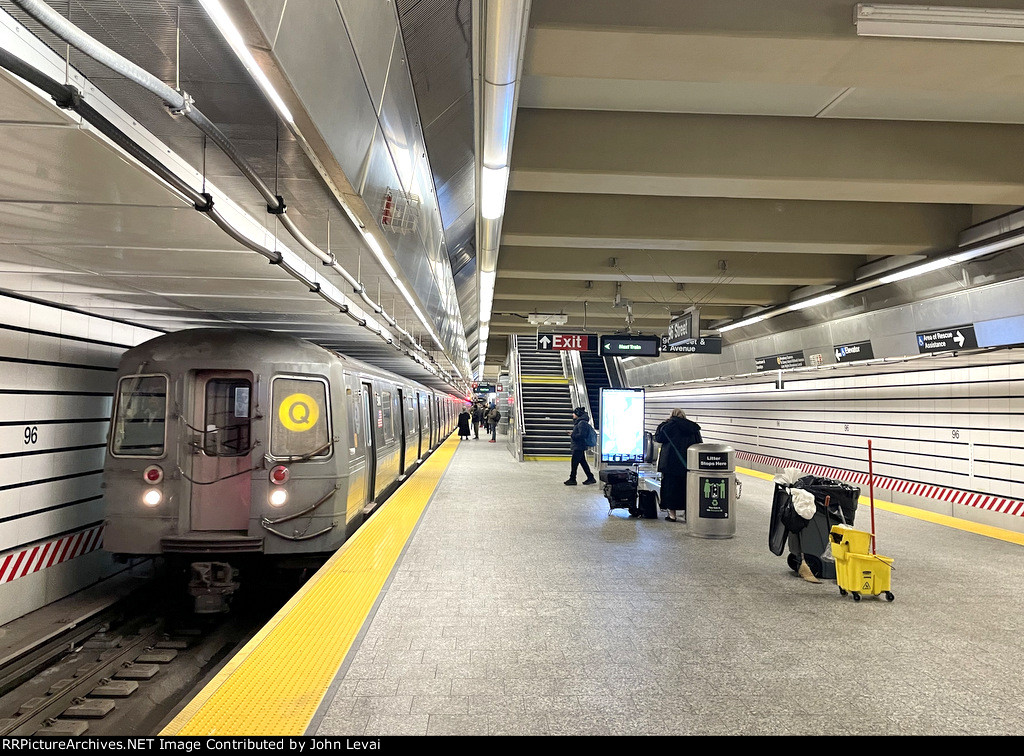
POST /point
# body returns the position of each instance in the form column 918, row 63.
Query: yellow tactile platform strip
column 274, row 685
column 922, row 514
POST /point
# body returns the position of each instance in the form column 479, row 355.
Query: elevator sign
column 567, row 342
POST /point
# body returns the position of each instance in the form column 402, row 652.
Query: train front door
column 370, row 448
column 221, row 450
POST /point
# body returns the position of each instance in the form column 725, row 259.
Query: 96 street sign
column 703, row 345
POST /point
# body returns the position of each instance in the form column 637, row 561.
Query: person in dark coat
column 675, row 435
column 464, row 424
column 578, row 438
column 477, row 416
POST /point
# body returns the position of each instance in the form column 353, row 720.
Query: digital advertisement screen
column 622, row 426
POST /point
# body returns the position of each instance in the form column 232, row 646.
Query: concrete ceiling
column 725, row 154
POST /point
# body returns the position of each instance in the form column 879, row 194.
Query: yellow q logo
column 298, row 412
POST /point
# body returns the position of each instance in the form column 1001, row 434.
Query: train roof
column 226, row 345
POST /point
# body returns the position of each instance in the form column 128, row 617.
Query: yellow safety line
column 531, row 458
column 542, row 379
column 923, row 514
column 278, row 680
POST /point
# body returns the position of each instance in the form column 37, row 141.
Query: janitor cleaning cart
column 835, row 502
column 858, row 571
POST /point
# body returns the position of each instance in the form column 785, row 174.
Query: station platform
column 515, row 605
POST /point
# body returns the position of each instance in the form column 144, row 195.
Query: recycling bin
column 711, row 490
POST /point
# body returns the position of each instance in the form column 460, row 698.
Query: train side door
column 221, row 450
column 419, row 434
column 370, row 446
column 403, row 431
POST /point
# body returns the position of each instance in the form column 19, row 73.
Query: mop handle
column 871, row 495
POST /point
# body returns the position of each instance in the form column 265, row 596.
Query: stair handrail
column 573, row 367
column 518, row 429
column 616, row 373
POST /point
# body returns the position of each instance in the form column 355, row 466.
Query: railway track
column 124, row 671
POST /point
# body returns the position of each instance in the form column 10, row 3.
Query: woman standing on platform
column 675, row 435
column 464, row 424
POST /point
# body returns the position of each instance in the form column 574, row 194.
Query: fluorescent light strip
column 746, row 322
column 924, row 22
column 1007, row 241
column 815, row 301
column 234, row 38
column 493, row 186
column 917, row 270
column 487, row 279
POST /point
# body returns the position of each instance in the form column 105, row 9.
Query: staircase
column 547, row 407
column 596, row 377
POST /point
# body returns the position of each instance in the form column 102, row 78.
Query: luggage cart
column 858, row 571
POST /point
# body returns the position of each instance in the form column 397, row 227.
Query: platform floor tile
column 525, row 607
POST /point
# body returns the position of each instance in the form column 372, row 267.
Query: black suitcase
column 647, row 505
column 620, row 495
column 619, row 489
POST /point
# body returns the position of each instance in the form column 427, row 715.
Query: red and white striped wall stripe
column 954, row 495
column 16, row 564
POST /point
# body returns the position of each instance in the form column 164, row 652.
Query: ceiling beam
column 678, row 295
column 601, row 221
column 669, row 266
column 749, row 156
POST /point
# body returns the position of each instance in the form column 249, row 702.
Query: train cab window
column 388, row 414
column 140, row 418
column 301, row 420
column 226, row 417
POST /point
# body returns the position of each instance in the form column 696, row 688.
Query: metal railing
column 516, row 420
column 573, row 371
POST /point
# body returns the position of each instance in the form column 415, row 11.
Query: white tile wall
column 31, row 512
column 909, row 416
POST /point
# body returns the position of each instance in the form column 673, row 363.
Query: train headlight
column 279, row 475
column 152, row 497
column 153, row 474
column 278, row 497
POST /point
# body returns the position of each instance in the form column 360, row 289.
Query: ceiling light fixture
column 932, row 22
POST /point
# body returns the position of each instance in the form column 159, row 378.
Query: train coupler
column 212, row 585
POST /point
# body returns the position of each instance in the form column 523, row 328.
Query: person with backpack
column 675, row 435
column 493, row 416
column 582, row 437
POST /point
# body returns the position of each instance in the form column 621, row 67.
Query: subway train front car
column 231, row 447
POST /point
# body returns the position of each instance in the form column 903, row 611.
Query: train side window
column 226, row 417
column 355, row 415
column 140, row 417
column 300, row 425
column 389, row 416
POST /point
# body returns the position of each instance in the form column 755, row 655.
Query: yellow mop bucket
column 859, row 572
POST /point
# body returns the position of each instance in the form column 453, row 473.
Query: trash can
column 710, row 491
column 813, row 540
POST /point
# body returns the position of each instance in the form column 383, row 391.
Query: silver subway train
column 227, row 443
